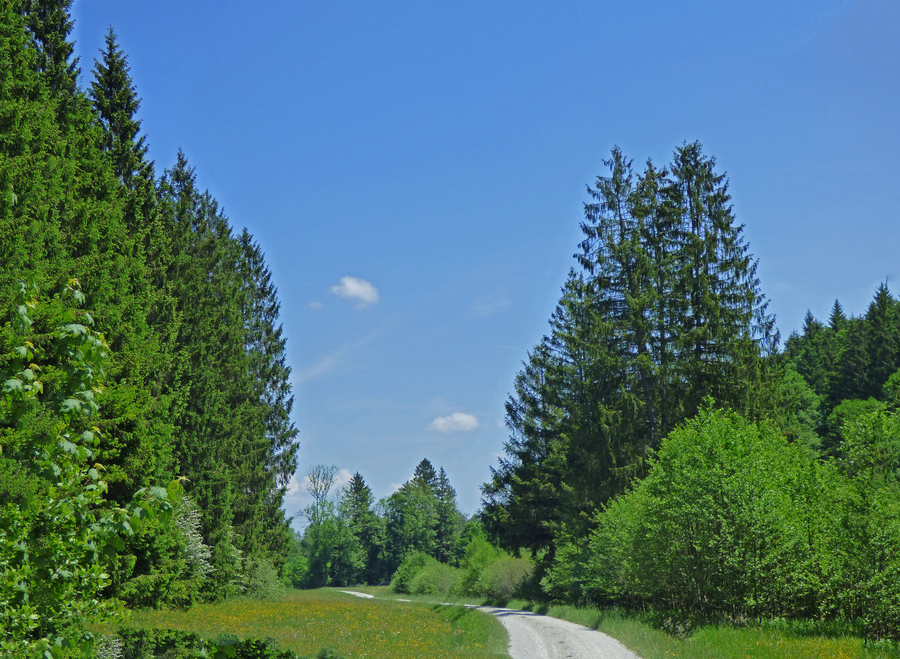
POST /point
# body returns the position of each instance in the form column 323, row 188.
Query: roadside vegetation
column 656, row 637
column 305, row 622
column 652, row 638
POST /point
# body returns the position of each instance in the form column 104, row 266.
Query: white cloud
column 315, row 304
column 356, row 289
column 456, row 422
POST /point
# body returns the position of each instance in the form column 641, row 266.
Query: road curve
column 533, row 636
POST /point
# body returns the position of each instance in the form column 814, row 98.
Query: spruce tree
column 837, row 319
column 115, row 100
column 666, row 312
column 723, row 325
column 50, row 23
column 621, row 275
column 449, row 519
column 810, row 354
column 882, row 330
column 356, row 507
column 521, row 503
column 851, row 380
column 425, row 473
column 213, row 415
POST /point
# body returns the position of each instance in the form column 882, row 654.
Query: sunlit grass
column 306, row 621
column 708, row 642
column 711, row 642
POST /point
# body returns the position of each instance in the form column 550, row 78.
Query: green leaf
column 13, row 384
column 158, row 493
column 70, row 405
column 76, row 329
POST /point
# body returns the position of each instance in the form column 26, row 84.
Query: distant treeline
column 415, row 538
column 196, row 386
column 664, row 453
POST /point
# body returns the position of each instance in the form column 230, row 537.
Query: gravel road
column 533, row 636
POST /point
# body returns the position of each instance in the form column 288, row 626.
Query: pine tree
column 624, row 281
column 449, row 520
column 521, row 504
column 837, row 320
column 851, row 380
column 213, row 417
column 667, row 311
column 115, row 100
column 50, row 23
column 722, row 322
column 425, row 473
column 882, row 331
column 356, row 507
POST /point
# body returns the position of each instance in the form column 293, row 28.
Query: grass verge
column 306, row 621
column 716, row 642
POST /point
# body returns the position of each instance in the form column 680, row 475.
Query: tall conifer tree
column 115, row 100
column 667, row 311
column 50, row 23
column 722, row 322
column 882, row 340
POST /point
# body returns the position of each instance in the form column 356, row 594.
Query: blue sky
column 415, row 173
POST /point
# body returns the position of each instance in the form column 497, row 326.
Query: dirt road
column 533, row 636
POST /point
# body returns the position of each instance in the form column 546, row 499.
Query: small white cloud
column 356, row 289
column 456, row 422
column 315, row 304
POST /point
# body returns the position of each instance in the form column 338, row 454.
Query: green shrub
column 329, row 653
column 733, row 521
column 435, row 579
column 412, row 564
column 295, row 569
column 478, row 555
column 173, row 644
column 504, row 578
column 726, row 521
column 151, row 643
column 261, row 580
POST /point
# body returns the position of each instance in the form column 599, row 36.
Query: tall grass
column 306, row 621
column 773, row 640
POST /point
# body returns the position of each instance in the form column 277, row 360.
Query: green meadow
column 306, row 621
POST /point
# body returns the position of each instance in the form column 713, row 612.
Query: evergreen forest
column 145, row 432
column 666, row 451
